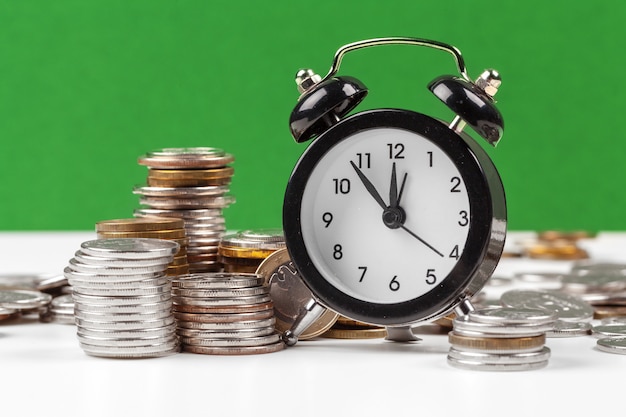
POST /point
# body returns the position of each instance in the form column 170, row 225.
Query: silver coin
column 214, row 302
column 122, row 317
column 126, row 308
column 85, row 259
column 50, row 282
column 569, row 329
column 220, row 293
column 609, row 330
column 248, row 341
column 131, row 342
column 612, row 345
column 513, row 316
column 204, row 233
column 226, row 334
column 137, row 291
column 608, row 298
column 266, row 239
column 37, row 282
column 115, row 334
column 539, row 277
column 217, row 281
column 234, row 325
column 76, row 265
column 125, row 325
column 501, row 367
column 86, row 285
column 566, row 307
column 182, row 192
column 76, row 277
column 585, row 267
column 63, row 302
column 542, row 354
column 593, row 282
column 616, row 320
column 187, row 203
column 190, row 152
column 148, row 351
column 23, row 299
column 97, row 300
column 181, row 214
column 466, row 326
column 136, row 248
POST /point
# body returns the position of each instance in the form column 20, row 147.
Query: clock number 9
column 327, row 218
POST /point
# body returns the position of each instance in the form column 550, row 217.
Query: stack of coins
column 122, row 297
column 150, row 228
column 557, row 245
column 501, row 339
column 243, row 252
column 16, row 302
column 224, row 314
column 190, row 184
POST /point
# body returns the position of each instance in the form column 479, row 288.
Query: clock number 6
column 394, row 285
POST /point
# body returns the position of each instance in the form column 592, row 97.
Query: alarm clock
column 393, row 217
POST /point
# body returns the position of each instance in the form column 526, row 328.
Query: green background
column 86, row 87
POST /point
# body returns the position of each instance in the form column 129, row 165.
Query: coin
column 136, row 248
column 497, row 345
column 134, row 352
column 183, row 158
column 513, row 316
column 232, row 342
column 464, row 325
column 506, row 367
column 289, row 295
column 609, row 330
column 244, row 350
column 609, row 311
column 198, row 174
column 566, row 307
column 23, row 299
column 612, row 345
column 340, row 332
column 190, row 319
column 139, row 224
column 7, row 313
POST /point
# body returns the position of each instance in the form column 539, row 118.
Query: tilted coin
column 290, row 294
column 136, row 248
column 566, row 307
column 23, row 299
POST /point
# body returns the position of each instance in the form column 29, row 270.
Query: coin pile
column 557, row 245
column 224, row 314
column 191, row 184
column 17, row 301
column 501, row 339
column 243, row 252
column 52, row 284
column 611, row 335
column 150, row 228
column 122, row 297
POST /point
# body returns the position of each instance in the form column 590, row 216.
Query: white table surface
column 43, row 371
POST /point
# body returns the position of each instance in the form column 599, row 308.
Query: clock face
column 399, row 243
column 391, row 218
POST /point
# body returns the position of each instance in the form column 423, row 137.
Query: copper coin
column 244, row 350
column 222, row 318
column 139, row 224
column 249, row 308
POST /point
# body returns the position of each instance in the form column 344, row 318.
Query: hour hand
column 369, row 186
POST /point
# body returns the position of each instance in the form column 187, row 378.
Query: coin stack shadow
column 191, row 184
column 122, row 297
column 224, row 314
column 501, row 339
column 151, row 228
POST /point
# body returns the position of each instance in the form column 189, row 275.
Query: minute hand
column 369, row 186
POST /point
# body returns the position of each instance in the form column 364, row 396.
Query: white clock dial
column 372, row 247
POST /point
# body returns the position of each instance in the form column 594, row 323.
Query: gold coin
column 556, row 250
column 140, row 224
column 177, row 270
column 445, row 321
column 198, row 174
column 245, row 252
column 496, row 343
column 227, row 260
column 179, row 260
column 604, row 312
column 240, row 269
column 354, row 324
column 153, row 234
column 555, row 235
column 347, row 333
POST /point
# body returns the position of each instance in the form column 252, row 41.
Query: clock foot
column 401, row 334
column 308, row 314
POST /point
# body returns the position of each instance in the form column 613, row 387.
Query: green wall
column 88, row 86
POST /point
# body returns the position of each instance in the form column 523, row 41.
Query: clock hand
column 369, row 186
column 401, row 189
column 421, row 240
column 393, row 188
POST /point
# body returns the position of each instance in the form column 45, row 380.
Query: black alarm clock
column 393, row 217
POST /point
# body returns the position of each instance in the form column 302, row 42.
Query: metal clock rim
column 485, row 240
